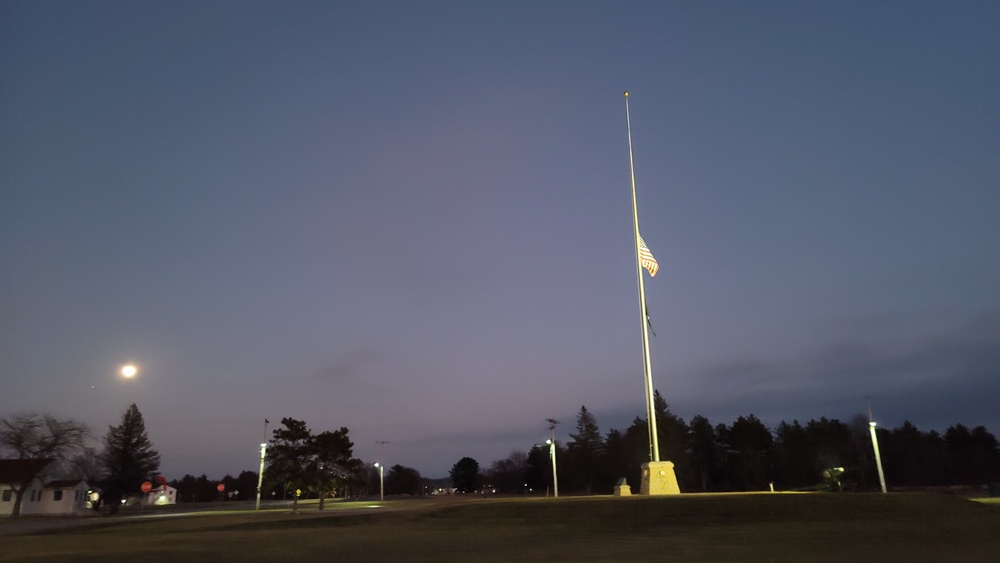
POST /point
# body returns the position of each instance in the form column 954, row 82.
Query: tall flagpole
column 654, row 446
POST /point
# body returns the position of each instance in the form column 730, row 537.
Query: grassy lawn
column 758, row 527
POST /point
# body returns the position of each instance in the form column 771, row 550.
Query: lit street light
column 381, row 481
column 555, row 479
column 260, row 473
column 878, row 458
column 129, row 371
column 552, row 453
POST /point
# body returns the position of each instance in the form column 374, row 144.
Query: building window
column 7, row 495
column 32, row 495
column 57, row 494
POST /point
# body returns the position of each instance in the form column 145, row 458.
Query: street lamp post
column 381, row 481
column 552, row 453
column 260, row 474
column 878, row 458
column 555, row 478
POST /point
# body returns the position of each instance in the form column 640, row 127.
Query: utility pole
column 260, row 474
column 878, row 457
column 552, row 453
column 381, row 469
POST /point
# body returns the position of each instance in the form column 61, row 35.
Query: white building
column 41, row 495
column 164, row 494
column 58, row 497
column 20, row 474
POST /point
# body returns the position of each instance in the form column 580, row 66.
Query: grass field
column 755, row 527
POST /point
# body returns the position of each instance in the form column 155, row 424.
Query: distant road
column 31, row 525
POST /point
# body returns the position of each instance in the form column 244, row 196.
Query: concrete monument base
column 658, row 478
column 622, row 489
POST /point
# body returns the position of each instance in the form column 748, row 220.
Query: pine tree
column 588, row 435
column 128, row 458
column 672, row 440
column 331, row 462
column 586, row 451
column 290, row 455
column 465, row 475
column 703, row 450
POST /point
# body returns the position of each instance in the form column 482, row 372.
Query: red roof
column 17, row 471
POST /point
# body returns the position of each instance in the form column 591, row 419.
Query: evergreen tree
column 704, row 452
column 750, row 444
column 289, row 456
column 635, row 443
column 588, row 435
column 832, row 441
column 402, row 480
column 331, row 463
column 901, row 454
column 672, row 438
column 128, row 458
column 465, row 475
column 617, row 458
column 584, row 452
column 974, row 456
column 795, row 457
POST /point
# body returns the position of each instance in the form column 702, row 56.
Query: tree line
column 202, row 489
column 742, row 456
column 304, row 464
column 746, row 455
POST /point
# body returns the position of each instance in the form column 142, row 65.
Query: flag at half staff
column 646, row 258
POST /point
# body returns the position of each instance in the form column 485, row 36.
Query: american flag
column 646, row 258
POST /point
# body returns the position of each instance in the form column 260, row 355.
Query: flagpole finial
column 626, row 93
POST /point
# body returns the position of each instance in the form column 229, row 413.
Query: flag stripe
column 646, row 258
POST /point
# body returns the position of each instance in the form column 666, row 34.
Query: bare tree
column 38, row 440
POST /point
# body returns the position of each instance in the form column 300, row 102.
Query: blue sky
column 413, row 219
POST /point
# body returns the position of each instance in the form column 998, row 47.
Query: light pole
column 552, row 453
column 555, row 479
column 381, row 481
column 260, row 474
column 878, row 457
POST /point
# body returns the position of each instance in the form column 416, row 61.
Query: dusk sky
column 413, row 219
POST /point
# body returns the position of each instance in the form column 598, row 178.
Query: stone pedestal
column 622, row 489
column 658, row 478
